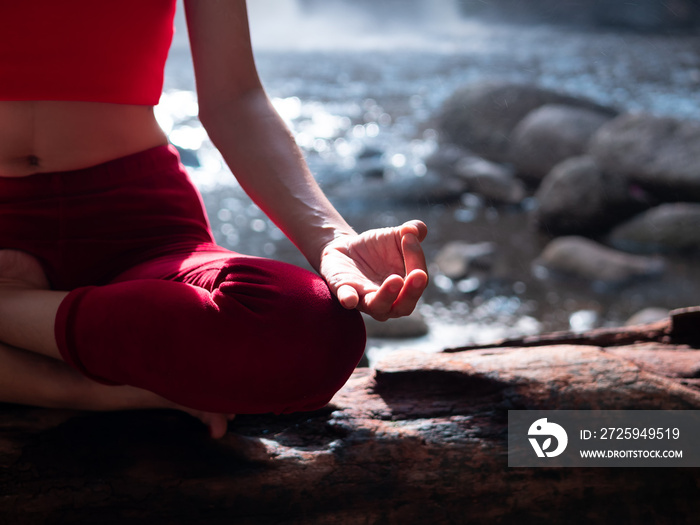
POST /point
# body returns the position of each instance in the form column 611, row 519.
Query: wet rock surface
column 583, row 258
column 577, row 197
column 457, row 258
column 647, row 15
column 587, row 171
column 495, row 183
column 662, row 154
column 481, row 117
column 668, row 227
column 551, row 134
column 420, row 439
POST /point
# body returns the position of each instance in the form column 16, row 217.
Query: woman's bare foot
column 129, row 397
column 217, row 423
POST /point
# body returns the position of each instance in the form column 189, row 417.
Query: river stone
column 648, row 315
column 494, row 182
column 587, row 259
column 445, row 158
column 481, row 116
column 407, row 327
column 551, row 134
column 456, row 258
column 647, row 14
column 665, row 228
column 577, row 197
column 659, row 153
column 372, row 192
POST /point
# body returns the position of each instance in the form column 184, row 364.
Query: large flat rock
column 420, row 439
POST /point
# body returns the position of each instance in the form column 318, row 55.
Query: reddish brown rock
column 421, row 439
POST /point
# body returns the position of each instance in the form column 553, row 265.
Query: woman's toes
column 218, row 425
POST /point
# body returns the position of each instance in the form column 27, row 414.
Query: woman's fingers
column 413, row 256
column 414, row 284
column 348, row 296
column 416, row 227
column 379, row 304
column 398, row 294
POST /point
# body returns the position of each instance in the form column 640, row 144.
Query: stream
column 358, row 88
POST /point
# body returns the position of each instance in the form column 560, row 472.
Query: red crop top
column 84, row 50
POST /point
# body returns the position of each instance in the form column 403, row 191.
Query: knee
column 328, row 352
column 299, row 345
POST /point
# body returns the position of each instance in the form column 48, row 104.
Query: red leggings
column 154, row 303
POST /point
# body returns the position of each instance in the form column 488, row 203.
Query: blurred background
column 366, row 85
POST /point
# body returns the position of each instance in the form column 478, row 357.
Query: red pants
column 154, row 303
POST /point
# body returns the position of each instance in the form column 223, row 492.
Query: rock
column 665, row 228
column 429, row 189
column 456, row 258
column 577, row 197
column 551, row 134
column 407, row 327
column 494, row 182
column 644, row 15
column 445, row 158
column 648, row 315
column 421, row 439
column 370, row 162
column 481, row 117
column 587, row 259
column 659, row 153
column 647, row 14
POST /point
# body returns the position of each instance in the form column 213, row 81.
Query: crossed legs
column 31, row 369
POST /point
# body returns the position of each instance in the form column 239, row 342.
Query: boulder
column 659, row 153
column 430, row 189
column 551, row 134
column 644, row 15
column 445, row 158
column 665, row 228
column 456, row 258
column 481, row 116
column 496, row 183
column 577, row 197
column 589, row 260
column 647, row 14
column 423, row 438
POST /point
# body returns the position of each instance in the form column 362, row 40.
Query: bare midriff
column 53, row 136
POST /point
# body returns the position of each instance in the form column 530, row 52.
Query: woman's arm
column 242, row 123
column 261, row 152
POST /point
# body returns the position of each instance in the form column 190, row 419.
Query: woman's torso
column 50, row 136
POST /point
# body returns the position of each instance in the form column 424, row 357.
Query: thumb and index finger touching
column 397, row 295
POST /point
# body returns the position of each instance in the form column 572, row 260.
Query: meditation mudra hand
column 381, row 272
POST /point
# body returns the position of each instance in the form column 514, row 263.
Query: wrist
column 325, row 239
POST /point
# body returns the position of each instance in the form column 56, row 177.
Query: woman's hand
column 380, row 272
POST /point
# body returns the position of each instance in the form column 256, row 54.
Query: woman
column 112, row 293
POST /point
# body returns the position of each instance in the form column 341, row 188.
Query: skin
column 380, row 272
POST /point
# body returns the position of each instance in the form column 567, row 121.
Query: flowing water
column 359, row 86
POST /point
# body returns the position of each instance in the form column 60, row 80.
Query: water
column 359, row 87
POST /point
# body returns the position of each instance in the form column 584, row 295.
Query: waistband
column 97, row 178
